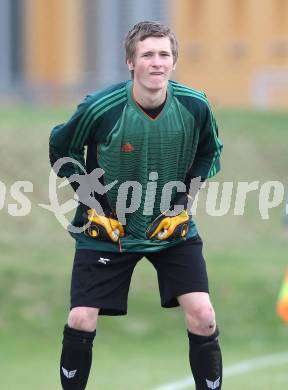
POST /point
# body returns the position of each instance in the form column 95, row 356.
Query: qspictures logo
column 221, row 197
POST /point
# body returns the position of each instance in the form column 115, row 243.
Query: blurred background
column 237, row 50
column 55, row 52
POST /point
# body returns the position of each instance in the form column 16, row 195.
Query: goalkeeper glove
column 103, row 227
column 165, row 227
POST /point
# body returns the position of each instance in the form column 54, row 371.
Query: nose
column 156, row 61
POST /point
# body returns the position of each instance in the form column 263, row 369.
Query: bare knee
column 83, row 318
column 201, row 320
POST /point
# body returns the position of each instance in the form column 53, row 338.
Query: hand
column 103, row 228
column 165, row 227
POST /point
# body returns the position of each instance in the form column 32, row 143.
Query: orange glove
column 103, row 228
column 165, row 227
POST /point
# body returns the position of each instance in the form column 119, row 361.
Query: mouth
column 156, row 73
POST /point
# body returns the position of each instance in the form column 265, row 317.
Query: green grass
column 246, row 258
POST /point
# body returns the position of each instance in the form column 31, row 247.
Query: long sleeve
column 68, row 140
column 207, row 159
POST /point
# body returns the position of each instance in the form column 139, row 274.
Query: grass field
column 246, row 259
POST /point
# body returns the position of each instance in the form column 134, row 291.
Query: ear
column 130, row 64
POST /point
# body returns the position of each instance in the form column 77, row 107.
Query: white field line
column 233, row 370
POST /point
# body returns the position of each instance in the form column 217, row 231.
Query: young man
column 144, row 134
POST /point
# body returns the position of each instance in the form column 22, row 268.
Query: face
column 152, row 63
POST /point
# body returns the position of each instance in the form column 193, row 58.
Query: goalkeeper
column 150, row 132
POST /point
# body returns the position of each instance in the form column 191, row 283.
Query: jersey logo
column 213, row 385
column 69, row 374
column 127, row 148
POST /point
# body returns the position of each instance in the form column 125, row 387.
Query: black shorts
column 102, row 279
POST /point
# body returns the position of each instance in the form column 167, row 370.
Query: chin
column 156, row 86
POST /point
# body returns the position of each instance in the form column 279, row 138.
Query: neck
column 149, row 98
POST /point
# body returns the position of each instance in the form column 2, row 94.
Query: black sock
column 205, row 361
column 76, row 358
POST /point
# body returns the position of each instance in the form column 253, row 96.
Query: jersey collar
column 137, row 107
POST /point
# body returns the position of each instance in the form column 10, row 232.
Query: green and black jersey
column 131, row 147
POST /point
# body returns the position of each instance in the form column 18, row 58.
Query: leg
column 205, row 354
column 76, row 357
column 198, row 312
column 97, row 287
column 183, row 280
